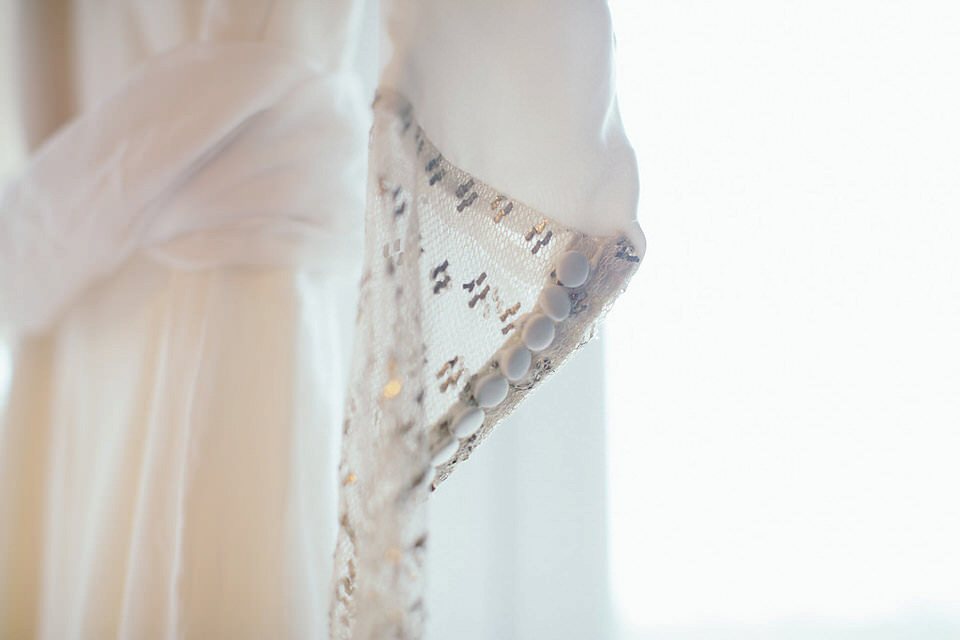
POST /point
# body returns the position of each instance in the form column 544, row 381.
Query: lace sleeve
column 505, row 293
column 469, row 300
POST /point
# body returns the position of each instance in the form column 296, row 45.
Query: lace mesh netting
column 452, row 271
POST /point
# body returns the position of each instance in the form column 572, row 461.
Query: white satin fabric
column 178, row 266
column 167, row 459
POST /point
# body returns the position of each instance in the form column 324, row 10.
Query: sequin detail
column 452, row 268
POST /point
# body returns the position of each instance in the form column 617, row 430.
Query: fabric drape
column 209, row 192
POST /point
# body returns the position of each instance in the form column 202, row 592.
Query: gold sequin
column 537, row 229
column 447, row 366
column 452, row 380
column 509, row 312
column 543, row 241
column 392, row 389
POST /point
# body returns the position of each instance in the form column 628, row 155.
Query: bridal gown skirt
column 169, row 455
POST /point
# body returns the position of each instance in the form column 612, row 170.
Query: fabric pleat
column 169, row 458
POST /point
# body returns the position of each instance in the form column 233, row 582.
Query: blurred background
column 784, row 373
column 780, row 454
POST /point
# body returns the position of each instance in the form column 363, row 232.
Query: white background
column 784, row 372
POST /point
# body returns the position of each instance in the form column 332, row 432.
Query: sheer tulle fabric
column 452, row 278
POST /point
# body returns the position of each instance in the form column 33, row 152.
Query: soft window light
column 783, row 388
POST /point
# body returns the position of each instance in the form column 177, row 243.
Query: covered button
column 515, row 361
column 555, row 302
column 467, row 422
column 491, row 391
column 538, row 333
column 572, row 269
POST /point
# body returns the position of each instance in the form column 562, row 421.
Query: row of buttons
column 538, row 333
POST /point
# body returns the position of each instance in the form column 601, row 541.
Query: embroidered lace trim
column 452, row 275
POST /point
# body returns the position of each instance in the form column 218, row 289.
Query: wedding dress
column 185, row 261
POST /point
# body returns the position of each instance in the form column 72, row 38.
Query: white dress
column 179, row 268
